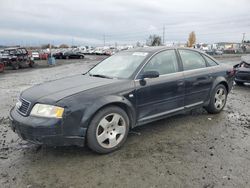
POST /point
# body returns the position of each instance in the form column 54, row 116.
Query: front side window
column 163, row 62
column 192, row 60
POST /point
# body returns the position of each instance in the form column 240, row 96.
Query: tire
column 217, row 100
column 81, row 57
column 67, row 57
column 15, row 66
column 31, row 64
column 105, row 134
column 239, row 83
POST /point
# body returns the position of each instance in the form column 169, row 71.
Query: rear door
column 198, row 77
column 162, row 95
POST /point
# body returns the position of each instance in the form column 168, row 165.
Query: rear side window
column 192, row 60
column 164, row 62
column 210, row 61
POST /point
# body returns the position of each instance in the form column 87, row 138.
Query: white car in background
column 35, row 55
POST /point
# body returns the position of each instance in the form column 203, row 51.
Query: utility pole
column 104, row 40
column 72, row 41
column 243, row 37
column 163, row 35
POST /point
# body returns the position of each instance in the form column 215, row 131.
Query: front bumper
column 40, row 130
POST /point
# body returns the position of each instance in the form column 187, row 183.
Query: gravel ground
column 192, row 150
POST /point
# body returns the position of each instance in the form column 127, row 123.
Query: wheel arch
column 217, row 81
column 225, row 84
column 220, row 80
column 118, row 101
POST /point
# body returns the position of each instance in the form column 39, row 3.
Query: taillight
column 246, row 65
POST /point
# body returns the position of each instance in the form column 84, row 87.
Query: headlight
column 44, row 110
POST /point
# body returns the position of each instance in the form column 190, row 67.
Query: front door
column 163, row 95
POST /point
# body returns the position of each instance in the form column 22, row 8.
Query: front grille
column 24, row 107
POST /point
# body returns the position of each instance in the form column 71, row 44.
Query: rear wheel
column 218, row 99
column 108, row 130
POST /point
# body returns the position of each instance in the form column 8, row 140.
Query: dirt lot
column 192, row 150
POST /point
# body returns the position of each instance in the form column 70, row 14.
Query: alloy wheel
column 220, row 98
column 111, row 130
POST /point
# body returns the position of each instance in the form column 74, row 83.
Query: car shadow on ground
column 145, row 130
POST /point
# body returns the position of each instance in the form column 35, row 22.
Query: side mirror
column 150, row 74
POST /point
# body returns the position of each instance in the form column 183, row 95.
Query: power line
column 243, row 37
column 182, row 25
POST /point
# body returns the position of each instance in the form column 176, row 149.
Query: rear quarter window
column 210, row 61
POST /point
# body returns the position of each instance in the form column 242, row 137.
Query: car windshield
column 121, row 65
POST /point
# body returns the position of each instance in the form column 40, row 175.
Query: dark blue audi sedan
column 128, row 89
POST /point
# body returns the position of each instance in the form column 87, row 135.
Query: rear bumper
column 242, row 77
column 241, row 80
column 39, row 130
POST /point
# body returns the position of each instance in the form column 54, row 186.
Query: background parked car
column 214, row 52
column 35, row 55
column 73, row 55
column 43, row 55
column 243, row 71
column 58, row 55
column 99, row 52
column 16, row 58
column 231, row 51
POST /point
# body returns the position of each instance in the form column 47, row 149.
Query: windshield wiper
column 100, row 76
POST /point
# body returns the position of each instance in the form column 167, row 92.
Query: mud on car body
column 128, row 89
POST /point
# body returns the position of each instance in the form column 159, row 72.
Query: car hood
column 53, row 91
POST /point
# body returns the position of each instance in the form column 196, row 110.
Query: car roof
column 148, row 49
column 13, row 48
column 158, row 49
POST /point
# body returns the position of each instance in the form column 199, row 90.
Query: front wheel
column 108, row 130
column 217, row 100
column 15, row 66
column 31, row 64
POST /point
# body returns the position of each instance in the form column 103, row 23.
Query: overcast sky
column 35, row 22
